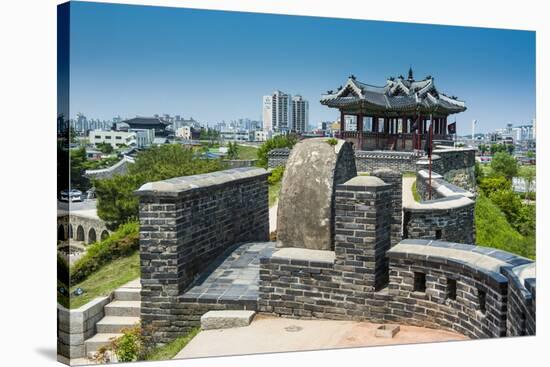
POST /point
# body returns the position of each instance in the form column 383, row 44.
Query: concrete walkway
column 408, row 198
column 271, row 334
column 273, row 216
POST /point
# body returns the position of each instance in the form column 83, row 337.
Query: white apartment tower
column 300, row 114
column 277, row 112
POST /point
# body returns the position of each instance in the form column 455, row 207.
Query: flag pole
column 430, row 158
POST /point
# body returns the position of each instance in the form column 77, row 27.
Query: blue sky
column 212, row 65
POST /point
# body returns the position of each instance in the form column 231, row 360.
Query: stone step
column 128, row 294
column 99, row 340
column 123, row 308
column 115, row 324
column 226, row 319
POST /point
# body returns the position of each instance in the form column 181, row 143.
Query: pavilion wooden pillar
column 360, row 130
column 342, row 123
column 445, row 126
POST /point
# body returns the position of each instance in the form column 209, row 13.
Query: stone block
column 226, row 319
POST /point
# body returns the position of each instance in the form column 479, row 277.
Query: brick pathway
column 234, row 276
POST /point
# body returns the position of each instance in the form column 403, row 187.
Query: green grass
column 106, row 279
column 416, row 196
column 274, row 193
column 409, row 174
column 170, row 350
column 247, row 152
column 493, row 230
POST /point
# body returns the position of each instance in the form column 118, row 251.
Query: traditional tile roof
column 399, row 95
column 145, row 121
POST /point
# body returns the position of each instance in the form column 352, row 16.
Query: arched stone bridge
column 81, row 228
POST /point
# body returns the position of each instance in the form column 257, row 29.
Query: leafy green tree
column 530, row 154
column 78, row 166
column 478, row 172
column 503, row 164
column 117, row 202
column 490, row 185
column 495, row 148
column 232, row 150
column 279, row 141
column 105, row 148
column 510, row 204
column 529, row 176
column 510, row 148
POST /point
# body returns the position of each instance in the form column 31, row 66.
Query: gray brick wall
column 395, row 179
column 185, row 223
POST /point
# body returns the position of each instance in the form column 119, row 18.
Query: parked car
column 72, row 195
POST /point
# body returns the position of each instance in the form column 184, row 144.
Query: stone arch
column 305, row 215
column 80, row 236
column 104, row 235
column 92, row 237
column 61, row 233
column 70, row 230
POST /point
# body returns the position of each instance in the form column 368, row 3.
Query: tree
column 503, row 164
column 529, row 176
column 105, row 148
column 279, row 141
column 482, row 149
column 117, row 202
column 510, row 148
column 232, row 150
column 490, row 185
column 78, row 166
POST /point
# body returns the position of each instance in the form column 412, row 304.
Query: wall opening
column 451, row 289
column 438, row 234
column 91, row 236
column 482, row 299
column 61, row 233
column 104, row 235
column 80, row 233
column 419, row 282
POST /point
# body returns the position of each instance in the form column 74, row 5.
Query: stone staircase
column 121, row 313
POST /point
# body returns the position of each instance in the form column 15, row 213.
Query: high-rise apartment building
column 300, row 114
column 277, row 112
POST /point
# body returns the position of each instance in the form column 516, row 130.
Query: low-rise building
column 184, row 132
column 261, row 135
column 115, row 138
column 144, row 137
column 237, row 135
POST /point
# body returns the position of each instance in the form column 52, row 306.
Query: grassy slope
column 493, row 230
column 170, row 350
column 247, row 152
column 108, row 278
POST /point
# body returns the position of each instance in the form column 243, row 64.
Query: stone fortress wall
column 185, row 224
column 456, row 165
column 448, row 216
column 375, row 270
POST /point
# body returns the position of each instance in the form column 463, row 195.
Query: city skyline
column 172, row 68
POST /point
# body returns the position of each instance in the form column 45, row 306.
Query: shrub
column 503, row 164
column 276, row 175
column 129, row 347
column 332, row 141
column 510, row 204
column 490, row 185
column 116, row 200
column 493, row 230
column 279, row 141
column 123, row 242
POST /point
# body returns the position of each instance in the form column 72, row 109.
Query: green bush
column 276, row 175
column 332, row 141
column 503, row 164
column 279, row 141
column 123, row 242
column 493, row 230
column 116, row 200
column 490, row 185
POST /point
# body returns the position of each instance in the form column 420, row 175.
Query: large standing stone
column 306, row 203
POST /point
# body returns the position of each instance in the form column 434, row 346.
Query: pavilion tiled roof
column 146, row 121
column 398, row 95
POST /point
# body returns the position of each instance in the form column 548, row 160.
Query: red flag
column 452, row 128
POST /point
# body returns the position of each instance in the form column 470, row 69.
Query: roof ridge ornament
column 410, row 76
column 352, row 77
